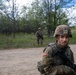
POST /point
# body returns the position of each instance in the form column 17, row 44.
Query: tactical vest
column 55, row 49
column 53, row 46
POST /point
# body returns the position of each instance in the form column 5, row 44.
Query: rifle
column 67, row 60
column 40, row 35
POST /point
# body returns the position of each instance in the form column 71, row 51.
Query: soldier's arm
column 47, row 59
column 36, row 33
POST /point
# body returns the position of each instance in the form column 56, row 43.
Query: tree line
column 46, row 14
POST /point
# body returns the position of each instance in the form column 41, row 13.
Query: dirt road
column 22, row 61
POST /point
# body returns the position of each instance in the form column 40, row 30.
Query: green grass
column 73, row 39
column 27, row 41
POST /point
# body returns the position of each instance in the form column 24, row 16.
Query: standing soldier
column 58, row 58
column 39, row 36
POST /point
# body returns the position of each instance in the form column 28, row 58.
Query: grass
column 27, row 41
column 73, row 39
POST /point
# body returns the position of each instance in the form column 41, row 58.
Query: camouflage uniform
column 39, row 36
column 53, row 64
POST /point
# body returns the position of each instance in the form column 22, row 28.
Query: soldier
column 54, row 55
column 39, row 36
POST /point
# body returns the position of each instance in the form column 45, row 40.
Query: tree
column 10, row 10
column 53, row 13
column 42, row 13
column 34, row 16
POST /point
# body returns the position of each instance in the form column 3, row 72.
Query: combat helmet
column 62, row 29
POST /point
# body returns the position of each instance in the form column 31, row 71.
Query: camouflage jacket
column 50, row 59
column 39, row 33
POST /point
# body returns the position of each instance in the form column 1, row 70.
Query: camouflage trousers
column 40, row 40
column 61, row 70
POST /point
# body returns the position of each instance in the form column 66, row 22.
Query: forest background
column 18, row 26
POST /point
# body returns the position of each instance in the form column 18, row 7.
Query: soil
column 22, row 61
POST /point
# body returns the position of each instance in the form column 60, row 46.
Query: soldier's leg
column 62, row 70
column 68, row 71
column 38, row 40
column 41, row 40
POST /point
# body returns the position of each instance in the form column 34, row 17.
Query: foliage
column 24, row 40
column 42, row 13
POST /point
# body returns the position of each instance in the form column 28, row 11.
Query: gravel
column 22, row 61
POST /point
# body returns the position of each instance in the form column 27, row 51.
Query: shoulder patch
column 50, row 48
column 44, row 54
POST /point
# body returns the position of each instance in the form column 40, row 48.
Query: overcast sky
column 24, row 2
column 71, row 7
